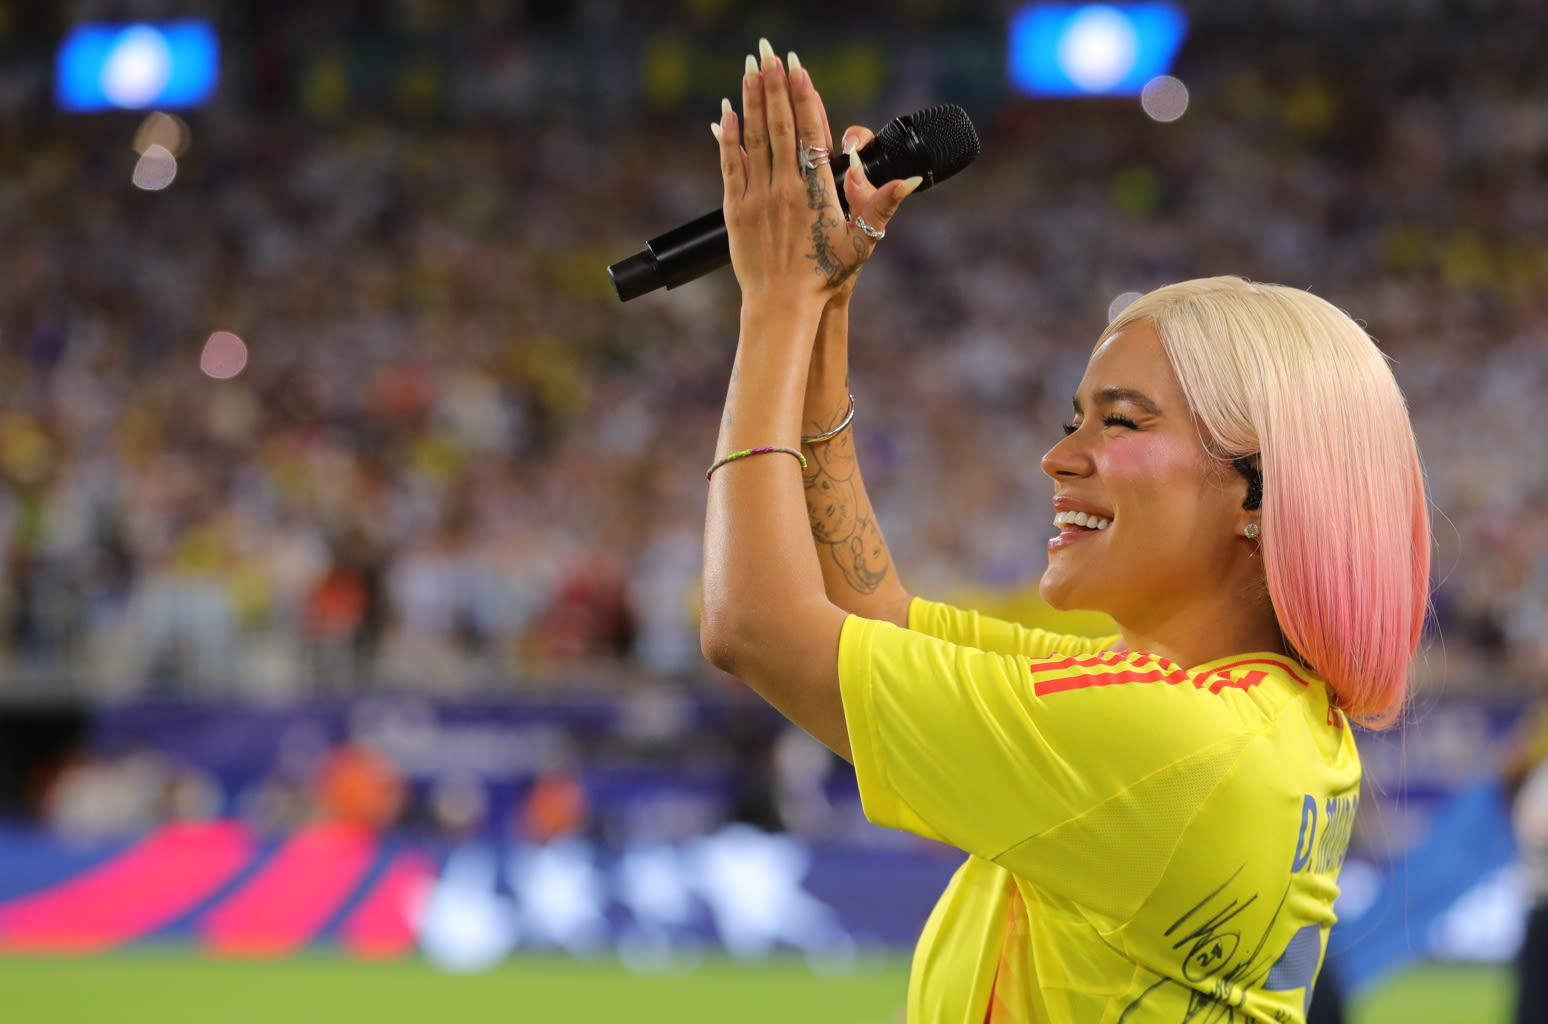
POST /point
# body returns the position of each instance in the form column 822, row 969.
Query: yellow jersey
column 1147, row 843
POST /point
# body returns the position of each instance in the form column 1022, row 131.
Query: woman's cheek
column 1142, row 461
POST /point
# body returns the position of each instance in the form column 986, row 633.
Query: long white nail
column 793, row 63
column 752, row 64
column 715, row 130
column 725, row 108
column 766, row 51
column 909, row 185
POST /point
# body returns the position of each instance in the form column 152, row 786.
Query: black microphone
column 933, row 143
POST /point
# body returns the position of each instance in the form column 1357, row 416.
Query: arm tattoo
column 843, row 525
column 726, row 418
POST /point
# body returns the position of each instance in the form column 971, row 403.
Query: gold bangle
column 829, row 435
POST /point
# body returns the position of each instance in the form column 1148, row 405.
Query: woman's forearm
column 767, row 615
column 857, row 569
column 766, row 618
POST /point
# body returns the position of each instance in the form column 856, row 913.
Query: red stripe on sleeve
column 1134, row 671
column 1245, row 682
column 1282, row 666
column 1080, row 682
column 1107, row 658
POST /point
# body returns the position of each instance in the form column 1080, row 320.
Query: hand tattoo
column 816, row 195
column 823, row 254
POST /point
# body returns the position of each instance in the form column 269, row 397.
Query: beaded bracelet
column 744, row 453
column 830, row 434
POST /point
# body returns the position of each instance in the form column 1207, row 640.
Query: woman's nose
column 1068, row 459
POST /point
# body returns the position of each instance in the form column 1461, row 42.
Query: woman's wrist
column 827, row 380
column 838, row 305
column 834, row 323
column 833, row 327
column 776, row 343
column 774, row 307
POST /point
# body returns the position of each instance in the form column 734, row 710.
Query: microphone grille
column 948, row 136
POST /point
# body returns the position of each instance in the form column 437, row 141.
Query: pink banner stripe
column 130, row 896
column 292, row 897
column 383, row 925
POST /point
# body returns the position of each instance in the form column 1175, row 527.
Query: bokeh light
column 159, row 128
column 1098, row 50
column 1121, row 303
column 155, row 169
column 1164, row 98
column 224, row 355
column 138, row 69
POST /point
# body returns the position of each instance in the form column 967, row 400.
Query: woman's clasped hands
column 790, row 240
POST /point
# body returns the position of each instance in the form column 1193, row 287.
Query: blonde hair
column 1279, row 373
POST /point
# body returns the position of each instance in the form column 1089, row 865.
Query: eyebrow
column 1114, row 395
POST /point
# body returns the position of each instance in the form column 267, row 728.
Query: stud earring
column 1250, row 531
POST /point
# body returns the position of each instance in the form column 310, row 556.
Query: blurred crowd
column 453, row 461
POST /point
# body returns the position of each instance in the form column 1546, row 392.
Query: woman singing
column 1155, row 821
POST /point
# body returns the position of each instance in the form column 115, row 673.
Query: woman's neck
column 1207, row 638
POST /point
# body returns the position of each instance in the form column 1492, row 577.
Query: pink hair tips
column 1278, row 372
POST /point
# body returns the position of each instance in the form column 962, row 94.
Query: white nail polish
column 765, row 50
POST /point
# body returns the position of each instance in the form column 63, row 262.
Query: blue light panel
column 132, row 67
column 1092, row 49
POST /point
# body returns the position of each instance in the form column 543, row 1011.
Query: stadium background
column 348, row 650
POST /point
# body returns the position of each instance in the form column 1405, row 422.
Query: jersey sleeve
column 973, row 629
column 1017, row 759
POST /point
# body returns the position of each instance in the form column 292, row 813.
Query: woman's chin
column 1064, row 593
column 1056, row 590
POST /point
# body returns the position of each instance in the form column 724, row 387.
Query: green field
column 174, row 988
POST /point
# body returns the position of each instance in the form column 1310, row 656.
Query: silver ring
column 813, row 157
column 870, row 232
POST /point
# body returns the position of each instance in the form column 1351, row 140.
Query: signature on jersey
column 1216, row 957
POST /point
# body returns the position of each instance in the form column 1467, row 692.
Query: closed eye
column 1109, row 420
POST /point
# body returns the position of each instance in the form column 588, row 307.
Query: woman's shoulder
column 1008, row 634
column 1105, row 662
column 1237, row 694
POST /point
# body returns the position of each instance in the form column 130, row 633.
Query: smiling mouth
column 1071, row 522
